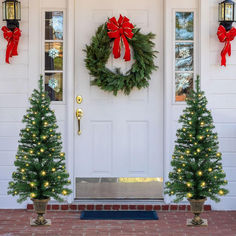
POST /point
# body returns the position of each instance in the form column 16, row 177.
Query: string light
column 203, row 184
column 202, row 123
column 62, row 154
column 32, row 184
column 53, row 169
column 27, row 164
column 33, row 122
column 189, row 195
column 198, row 150
column 179, row 170
column 190, row 122
column 173, row 157
column 172, row 192
column 210, row 169
column 183, row 164
column 187, row 151
column 31, row 151
column 45, row 123
column 41, row 150
column 218, row 154
column 43, row 173
column 59, row 177
column 189, row 184
column 44, row 137
column 46, row 184
column 221, row 192
column 32, row 195
column 64, row 192
column 181, row 157
column 199, row 173
column 22, row 170
column 215, row 177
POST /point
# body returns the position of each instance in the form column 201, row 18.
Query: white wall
column 17, row 81
column 220, row 86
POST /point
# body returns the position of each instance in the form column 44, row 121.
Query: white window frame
column 195, row 52
column 64, row 41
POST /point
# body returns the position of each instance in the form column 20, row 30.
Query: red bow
column 117, row 30
column 13, row 40
column 225, row 37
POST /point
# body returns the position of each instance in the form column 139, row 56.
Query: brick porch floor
column 16, row 222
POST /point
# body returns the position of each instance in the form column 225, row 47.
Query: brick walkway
column 16, row 222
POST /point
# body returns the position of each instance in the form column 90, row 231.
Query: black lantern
column 227, row 13
column 11, row 12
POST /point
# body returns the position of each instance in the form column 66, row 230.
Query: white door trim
column 70, row 94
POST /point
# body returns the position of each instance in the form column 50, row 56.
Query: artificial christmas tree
column 40, row 163
column 197, row 171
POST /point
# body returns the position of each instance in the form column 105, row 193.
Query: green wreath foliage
column 97, row 55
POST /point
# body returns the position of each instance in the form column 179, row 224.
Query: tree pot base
column 191, row 223
column 33, row 222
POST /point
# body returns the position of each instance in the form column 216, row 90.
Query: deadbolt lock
column 79, row 99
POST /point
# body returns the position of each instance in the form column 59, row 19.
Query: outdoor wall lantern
column 11, row 12
column 227, row 14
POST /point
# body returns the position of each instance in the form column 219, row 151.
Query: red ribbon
column 13, row 40
column 225, row 37
column 120, row 30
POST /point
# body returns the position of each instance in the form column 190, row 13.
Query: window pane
column 183, row 85
column 184, row 26
column 53, row 56
column 54, row 25
column 54, row 86
column 184, row 56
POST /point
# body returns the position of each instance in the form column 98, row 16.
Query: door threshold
column 119, row 201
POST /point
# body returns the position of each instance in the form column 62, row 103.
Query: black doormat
column 119, row 215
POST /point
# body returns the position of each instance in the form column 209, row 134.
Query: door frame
column 70, row 96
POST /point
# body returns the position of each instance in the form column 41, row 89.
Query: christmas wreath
column 98, row 52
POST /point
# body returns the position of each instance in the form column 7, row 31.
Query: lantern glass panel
column 10, row 11
column 4, row 11
column 18, row 11
column 221, row 12
column 229, row 12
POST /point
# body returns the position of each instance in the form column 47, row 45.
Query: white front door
column 122, row 136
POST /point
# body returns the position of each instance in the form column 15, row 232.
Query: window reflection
column 54, row 86
column 183, row 85
column 184, row 26
column 54, row 26
column 184, row 56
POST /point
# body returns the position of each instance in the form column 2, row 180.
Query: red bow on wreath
column 120, row 30
column 13, row 40
column 225, row 37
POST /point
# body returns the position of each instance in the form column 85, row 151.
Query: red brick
column 73, row 207
column 148, row 207
column 207, row 208
column 55, row 207
column 174, row 207
column 90, row 207
column 182, row 207
column 48, row 207
column 81, row 207
column 116, row 207
column 64, row 207
column 30, row 207
column 124, row 207
column 156, row 207
column 132, row 207
column 98, row 207
column 165, row 207
column 140, row 207
column 107, row 207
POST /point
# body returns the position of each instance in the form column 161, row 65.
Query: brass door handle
column 79, row 115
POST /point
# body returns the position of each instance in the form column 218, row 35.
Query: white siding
column 17, row 80
column 220, row 86
column 13, row 103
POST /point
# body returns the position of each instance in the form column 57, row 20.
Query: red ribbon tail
column 9, row 50
column 116, row 48
column 127, row 49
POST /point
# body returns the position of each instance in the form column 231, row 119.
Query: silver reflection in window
column 53, row 54
column 184, row 54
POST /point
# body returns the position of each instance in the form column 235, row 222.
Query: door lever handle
column 79, row 115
